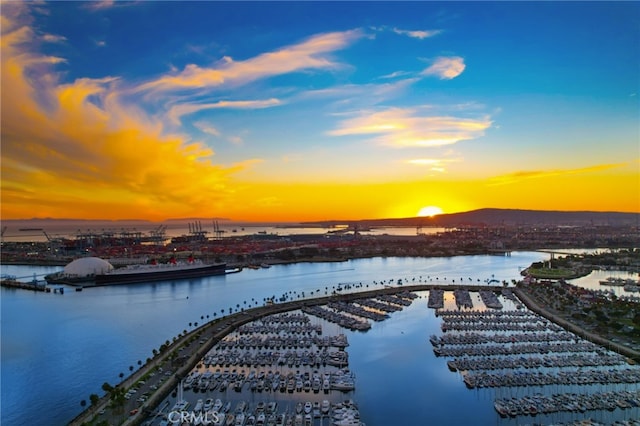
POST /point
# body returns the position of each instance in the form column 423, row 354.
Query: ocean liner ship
column 93, row 271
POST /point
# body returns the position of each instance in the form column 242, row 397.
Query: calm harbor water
column 58, row 349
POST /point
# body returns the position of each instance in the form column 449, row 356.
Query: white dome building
column 86, row 266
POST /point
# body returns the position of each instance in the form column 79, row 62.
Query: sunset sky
column 296, row 111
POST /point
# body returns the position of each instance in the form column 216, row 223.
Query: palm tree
column 94, row 399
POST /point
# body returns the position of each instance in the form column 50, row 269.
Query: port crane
column 217, row 231
column 158, row 235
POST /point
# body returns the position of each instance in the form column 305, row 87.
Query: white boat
column 240, row 419
column 208, row 404
column 308, row 407
column 344, row 385
column 180, row 405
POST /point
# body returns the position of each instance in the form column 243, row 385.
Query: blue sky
column 393, row 105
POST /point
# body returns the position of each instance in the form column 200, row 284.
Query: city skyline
column 300, row 111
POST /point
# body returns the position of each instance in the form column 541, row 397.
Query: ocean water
column 58, row 349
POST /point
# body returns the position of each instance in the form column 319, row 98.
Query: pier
column 12, row 283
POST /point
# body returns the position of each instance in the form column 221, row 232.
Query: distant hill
column 487, row 216
column 507, row 217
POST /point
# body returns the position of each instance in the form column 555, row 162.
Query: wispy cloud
column 177, row 111
column 437, row 165
column 236, row 140
column 107, row 4
column 206, row 128
column 53, row 38
column 537, row 174
column 370, row 93
column 396, row 74
column 400, row 127
column 420, row 34
column 313, row 53
column 446, row 67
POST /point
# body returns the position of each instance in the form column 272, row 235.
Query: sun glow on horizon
column 430, row 211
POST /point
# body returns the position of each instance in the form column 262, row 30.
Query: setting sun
column 429, row 211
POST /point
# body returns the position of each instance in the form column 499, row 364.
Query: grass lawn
column 552, row 274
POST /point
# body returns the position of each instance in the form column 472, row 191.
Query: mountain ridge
column 495, row 216
column 483, row 216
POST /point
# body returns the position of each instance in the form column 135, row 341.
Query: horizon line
column 226, row 219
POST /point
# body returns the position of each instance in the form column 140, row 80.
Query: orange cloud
column 537, row 174
column 74, row 150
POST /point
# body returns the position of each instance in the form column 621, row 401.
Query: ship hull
column 160, row 275
column 59, row 278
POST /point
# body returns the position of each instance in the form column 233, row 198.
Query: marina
column 508, row 349
column 280, row 369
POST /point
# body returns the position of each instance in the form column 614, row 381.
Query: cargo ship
column 93, row 271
